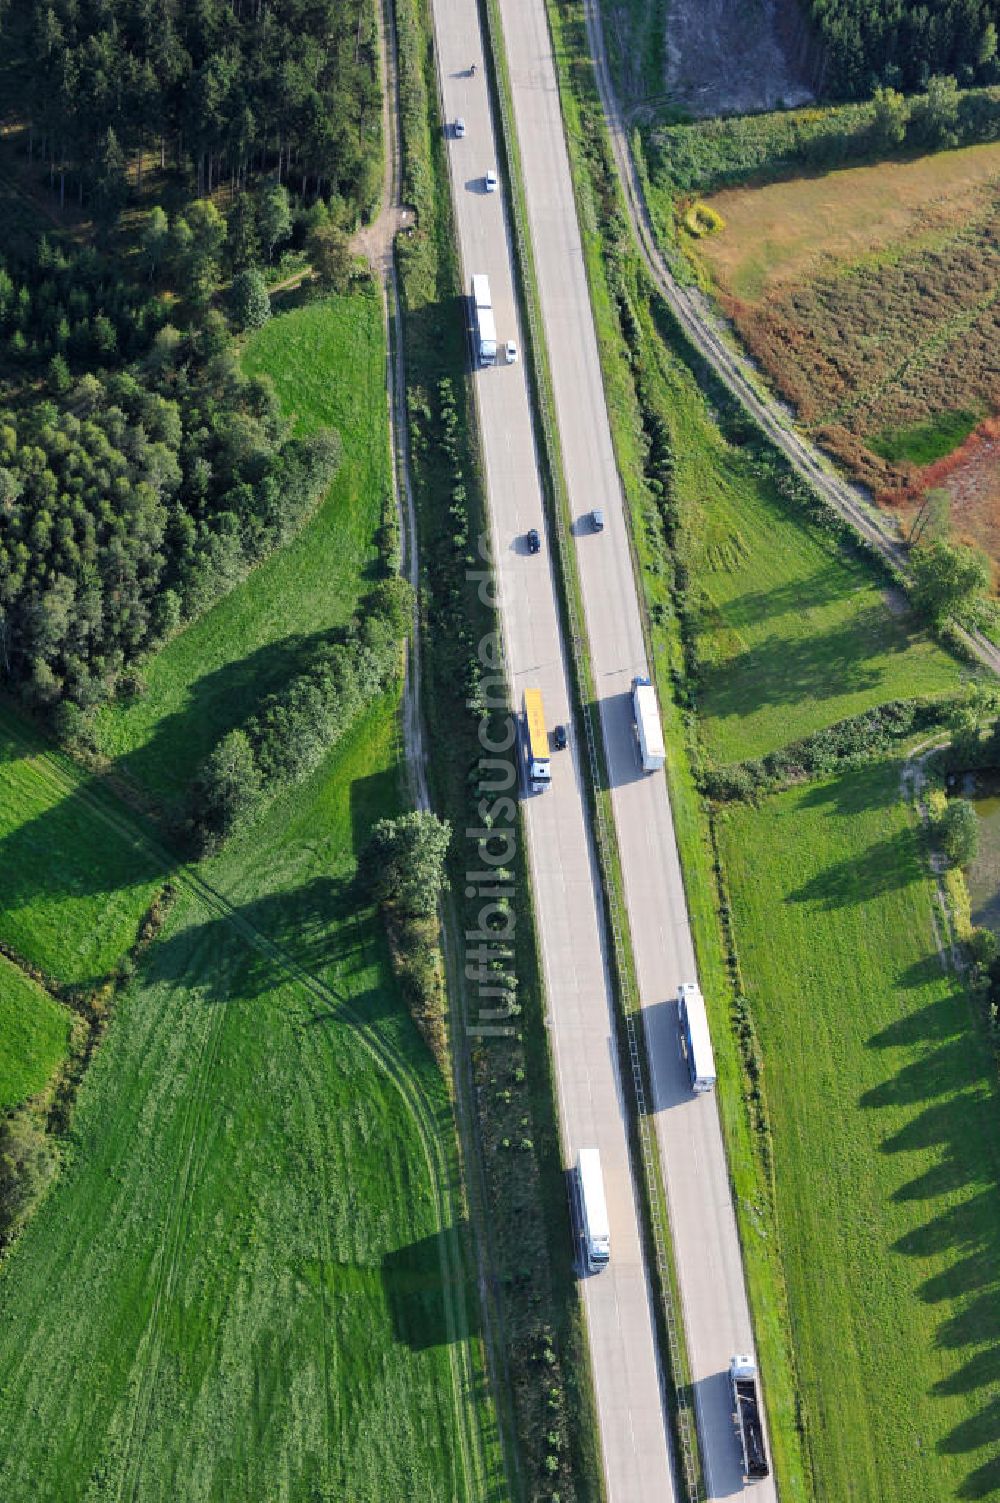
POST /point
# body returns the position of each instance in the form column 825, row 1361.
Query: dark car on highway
column 534, row 541
column 560, row 738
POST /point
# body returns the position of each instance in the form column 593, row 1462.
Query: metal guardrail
column 605, row 837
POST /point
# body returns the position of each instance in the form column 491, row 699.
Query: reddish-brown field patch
column 971, row 477
column 871, row 299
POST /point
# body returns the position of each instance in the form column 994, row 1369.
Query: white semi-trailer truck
column 648, row 729
column 696, row 1041
column 746, row 1412
column 482, row 316
column 594, row 1210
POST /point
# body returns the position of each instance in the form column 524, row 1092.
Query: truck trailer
column 696, row 1041
column 536, row 741
column 594, row 1210
column 648, row 729
column 746, row 1412
column 482, row 318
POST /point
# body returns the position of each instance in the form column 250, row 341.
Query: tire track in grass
column 62, row 776
column 180, row 1204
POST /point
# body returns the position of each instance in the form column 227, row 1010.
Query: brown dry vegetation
column 782, row 234
column 871, row 299
column 971, row 477
column 886, row 346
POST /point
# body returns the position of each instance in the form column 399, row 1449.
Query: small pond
column 983, row 876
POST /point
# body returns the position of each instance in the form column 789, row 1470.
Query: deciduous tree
column 329, row 252
column 403, row 863
column 948, row 579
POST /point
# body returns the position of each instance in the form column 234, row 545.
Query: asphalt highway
column 706, row 1242
column 617, row 1301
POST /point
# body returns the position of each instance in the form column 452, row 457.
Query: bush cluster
column 27, row 1165
column 709, row 154
column 294, row 729
column 847, row 743
column 403, row 869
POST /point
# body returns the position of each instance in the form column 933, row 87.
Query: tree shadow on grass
column 793, row 671
column 941, row 1072
column 424, row 1319
column 961, row 1187
column 321, row 928
column 412, row 1278
column 887, row 866
column 983, row 1482
column 822, row 587
column 934, row 1023
column 80, row 872
column 214, row 704
column 855, row 792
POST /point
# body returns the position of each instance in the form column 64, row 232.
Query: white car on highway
column 490, row 180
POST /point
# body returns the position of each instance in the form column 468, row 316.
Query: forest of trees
column 220, row 89
column 141, row 473
column 903, row 43
column 131, row 505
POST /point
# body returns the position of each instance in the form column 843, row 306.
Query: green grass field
column 34, row 1034
column 327, row 359
column 882, row 1099
column 237, row 1288
column 250, row 1280
column 74, row 890
column 792, row 632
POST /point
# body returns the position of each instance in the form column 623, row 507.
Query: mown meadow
column 881, row 1094
column 250, row 1277
column 327, row 361
column 34, row 1035
column 75, row 887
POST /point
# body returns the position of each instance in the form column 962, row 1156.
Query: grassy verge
column 882, row 1092
column 34, row 1036
column 543, row 1354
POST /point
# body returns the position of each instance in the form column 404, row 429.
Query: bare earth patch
column 974, row 487
column 728, row 57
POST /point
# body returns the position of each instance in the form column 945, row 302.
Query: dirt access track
column 730, row 57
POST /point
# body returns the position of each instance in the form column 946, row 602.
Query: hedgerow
column 847, row 743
